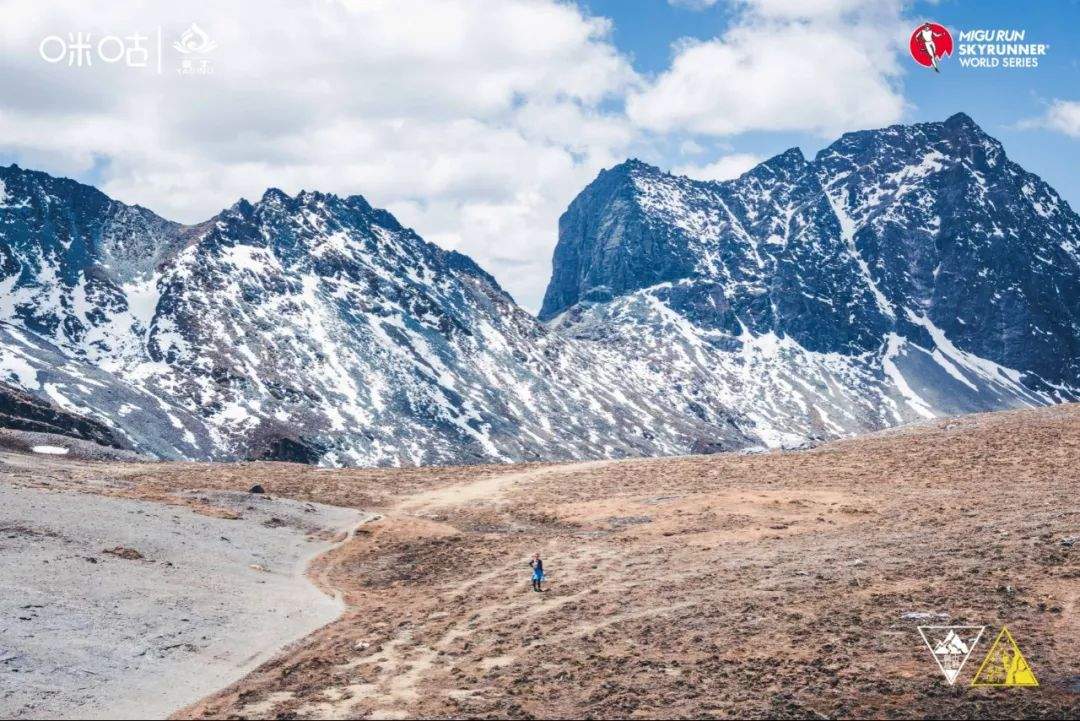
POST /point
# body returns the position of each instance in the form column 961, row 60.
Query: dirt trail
column 321, row 574
column 487, row 490
column 400, row 664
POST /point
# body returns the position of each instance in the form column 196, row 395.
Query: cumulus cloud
column 725, row 167
column 1062, row 116
column 475, row 121
column 824, row 67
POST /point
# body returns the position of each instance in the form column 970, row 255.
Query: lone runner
column 538, row 572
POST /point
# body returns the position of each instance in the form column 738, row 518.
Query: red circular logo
column 929, row 42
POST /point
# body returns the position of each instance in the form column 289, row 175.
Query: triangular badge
column 1004, row 665
column 951, row 646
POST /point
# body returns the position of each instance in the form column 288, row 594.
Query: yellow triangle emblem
column 1004, row 665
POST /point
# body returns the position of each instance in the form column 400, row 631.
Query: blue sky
column 477, row 121
column 999, row 100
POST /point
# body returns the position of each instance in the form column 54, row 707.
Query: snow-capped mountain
column 905, row 272
column 311, row 328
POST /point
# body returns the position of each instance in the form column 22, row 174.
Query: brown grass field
column 773, row 585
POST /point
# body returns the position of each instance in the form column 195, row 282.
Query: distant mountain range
column 908, row 272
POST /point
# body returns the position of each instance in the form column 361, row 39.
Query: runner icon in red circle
column 929, row 42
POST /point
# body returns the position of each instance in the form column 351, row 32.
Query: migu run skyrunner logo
column 929, row 43
column 975, row 49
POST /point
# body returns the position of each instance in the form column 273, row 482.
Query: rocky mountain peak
column 891, row 244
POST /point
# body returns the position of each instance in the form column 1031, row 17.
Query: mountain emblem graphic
column 951, row 646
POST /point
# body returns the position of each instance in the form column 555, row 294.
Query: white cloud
column 809, row 9
column 690, row 147
column 725, row 167
column 1062, row 116
column 782, row 8
column 823, row 67
column 474, row 121
column 693, row 4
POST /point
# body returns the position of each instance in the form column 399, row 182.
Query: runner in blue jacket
column 538, row 571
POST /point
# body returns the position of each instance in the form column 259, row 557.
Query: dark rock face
column 724, row 233
column 886, row 231
column 953, row 230
column 611, row 249
column 21, row 411
column 293, row 451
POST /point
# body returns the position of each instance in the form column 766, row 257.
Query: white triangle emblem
column 951, row 646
